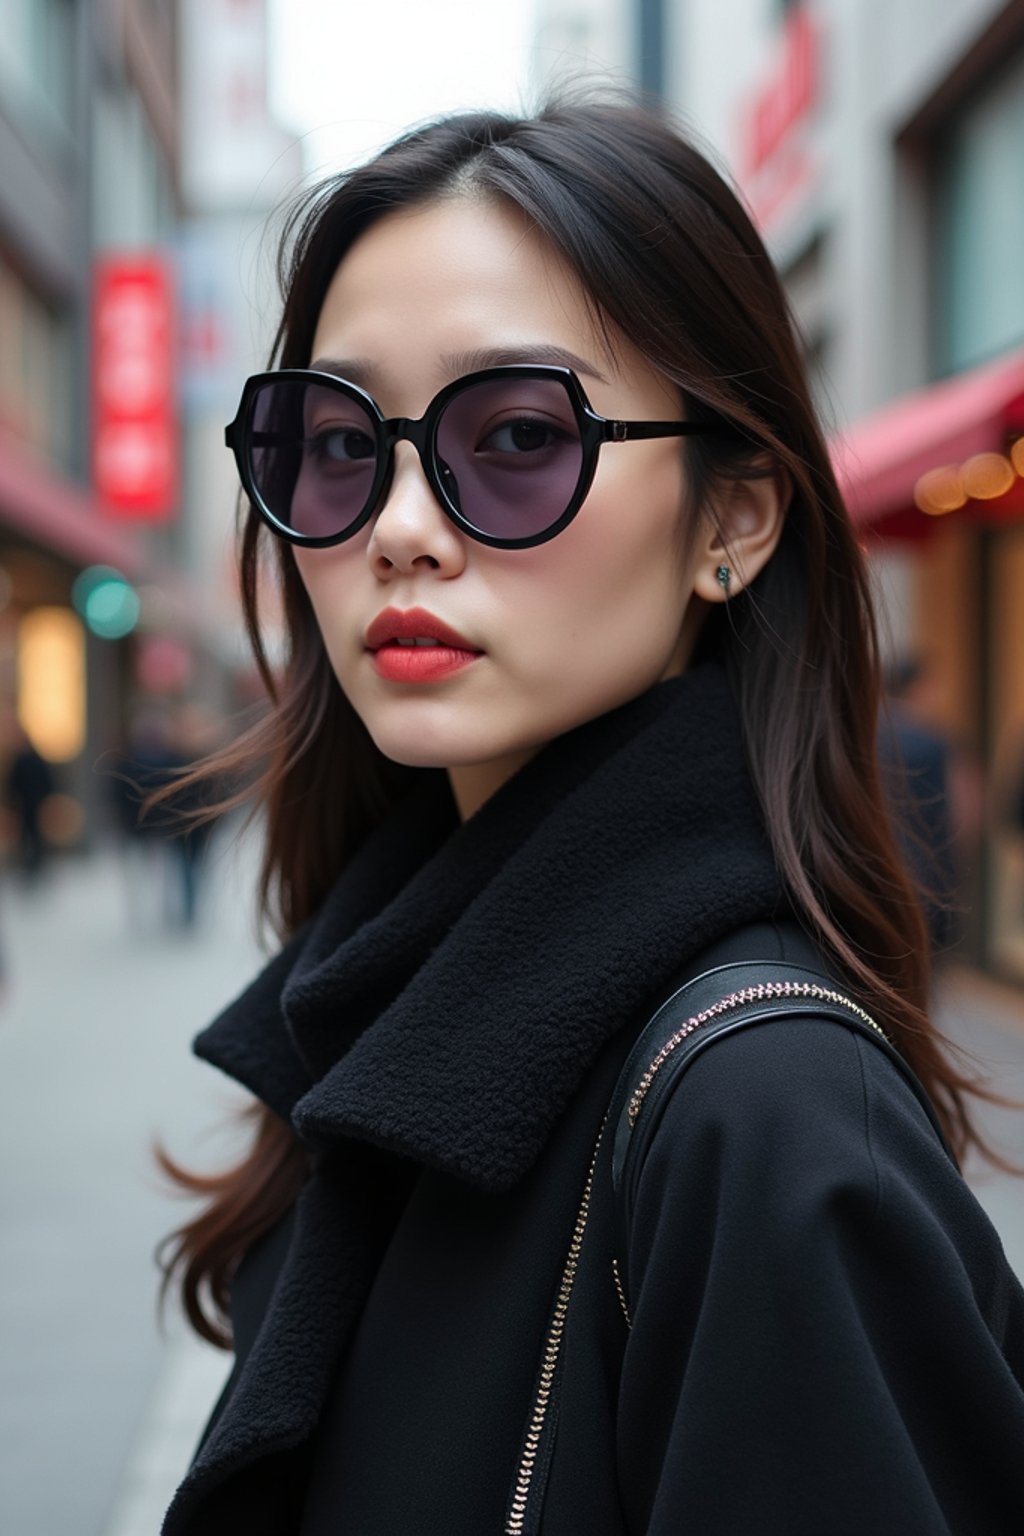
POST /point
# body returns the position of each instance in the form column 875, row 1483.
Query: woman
column 580, row 697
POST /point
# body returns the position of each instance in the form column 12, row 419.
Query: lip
column 414, row 663
column 394, row 624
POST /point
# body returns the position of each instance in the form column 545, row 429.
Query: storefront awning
column 880, row 461
column 58, row 515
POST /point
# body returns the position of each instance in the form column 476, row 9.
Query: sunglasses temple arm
column 626, row 431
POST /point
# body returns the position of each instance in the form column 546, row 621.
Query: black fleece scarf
column 460, row 980
column 447, row 1003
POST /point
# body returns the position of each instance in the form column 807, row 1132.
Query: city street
column 987, row 1020
column 793, row 233
column 98, row 1410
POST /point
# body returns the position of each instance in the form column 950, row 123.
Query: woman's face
column 562, row 632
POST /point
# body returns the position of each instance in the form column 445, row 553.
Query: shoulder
column 793, row 1119
column 784, row 1082
column 792, row 1110
column 800, row 1138
column 806, row 1073
column 804, row 1265
column 788, row 1081
column 783, row 1087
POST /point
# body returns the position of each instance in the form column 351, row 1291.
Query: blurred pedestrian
column 1008, row 822
column 917, row 761
column 194, row 732
column 28, row 785
column 148, row 763
column 604, row 1178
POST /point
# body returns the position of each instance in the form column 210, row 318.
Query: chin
column 424, row 744
column 410, row 755
column 414, row 746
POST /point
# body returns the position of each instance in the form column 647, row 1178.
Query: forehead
column 448, row 278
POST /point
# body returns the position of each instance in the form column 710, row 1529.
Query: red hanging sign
column 135, row 425
column 787, row 97
column 779, row 158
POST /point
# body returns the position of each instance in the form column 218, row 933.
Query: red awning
column 881, row 458
column 59, row 515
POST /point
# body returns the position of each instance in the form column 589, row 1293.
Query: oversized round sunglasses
column 508, row 452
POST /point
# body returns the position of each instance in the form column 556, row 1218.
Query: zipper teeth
column 620, row 1289
column 515, row 1523
column 736, row 1000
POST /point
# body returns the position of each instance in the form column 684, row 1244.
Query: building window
column 133, row 199
column 806, row 283
column 979, row 309
column 37, row 57
column 35, row 369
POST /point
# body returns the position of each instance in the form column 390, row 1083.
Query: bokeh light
column 51, row 682
column 940, row 490
column 987, row 475
column 107, row 602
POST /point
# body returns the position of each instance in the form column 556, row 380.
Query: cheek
column 618, row 577
column 328, row 577
column 628, row 545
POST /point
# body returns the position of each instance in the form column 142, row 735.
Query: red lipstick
column 431, row 650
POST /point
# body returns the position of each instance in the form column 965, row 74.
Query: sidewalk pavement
column 986, row 1019
column 99, row 1410
column 98, row 1009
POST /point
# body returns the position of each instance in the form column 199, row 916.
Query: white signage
column 233, row 155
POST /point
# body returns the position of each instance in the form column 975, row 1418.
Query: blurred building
column 881, row 149
column 240, row 172
column 62, row 682
column 625, row 42
column 116, row 320
column 577, row 38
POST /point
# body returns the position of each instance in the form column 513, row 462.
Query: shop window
column 1005, row 616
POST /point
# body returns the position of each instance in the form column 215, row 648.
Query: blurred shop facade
column 881, row 149
column 137, row 158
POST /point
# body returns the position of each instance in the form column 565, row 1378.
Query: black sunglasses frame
column 242, row 437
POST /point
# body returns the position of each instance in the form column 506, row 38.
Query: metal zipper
column 756, row 994
column 620, row 1291
column 516, row 1521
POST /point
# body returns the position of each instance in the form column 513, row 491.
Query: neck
column 474, row 783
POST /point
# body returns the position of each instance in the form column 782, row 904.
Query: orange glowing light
column 987, row 475
column 940, row 491
column 51, row 684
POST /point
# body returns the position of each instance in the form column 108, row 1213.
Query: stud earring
column 724, row 577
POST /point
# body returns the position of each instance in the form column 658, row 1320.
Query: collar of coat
column 460, row 980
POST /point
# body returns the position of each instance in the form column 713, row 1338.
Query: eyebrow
column 455, row 364
column 458, row 363
column 353, row 370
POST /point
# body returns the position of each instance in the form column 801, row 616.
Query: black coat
column 823, row 1336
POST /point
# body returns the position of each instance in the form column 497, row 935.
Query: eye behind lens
column 312, row 457
column 340, row 445
column 524, row 437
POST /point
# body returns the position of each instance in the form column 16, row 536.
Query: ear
column 741, row 531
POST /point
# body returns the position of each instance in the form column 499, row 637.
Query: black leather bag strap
column 718, row 1002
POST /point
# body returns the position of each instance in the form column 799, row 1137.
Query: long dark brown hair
column 667, row 256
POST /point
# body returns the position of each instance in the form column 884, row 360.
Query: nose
column 410, row 532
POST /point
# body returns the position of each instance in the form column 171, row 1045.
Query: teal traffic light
column 106, row 601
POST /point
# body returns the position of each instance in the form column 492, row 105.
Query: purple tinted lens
column 313, row 456
column 511, row 455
